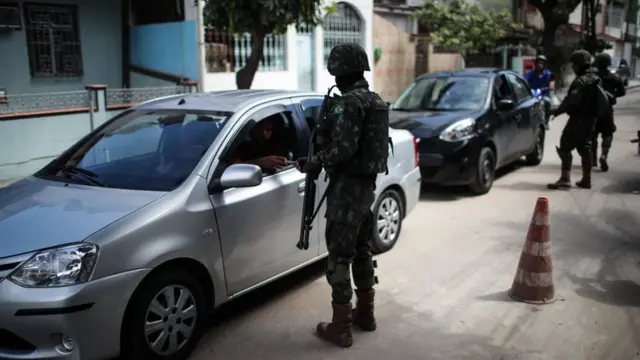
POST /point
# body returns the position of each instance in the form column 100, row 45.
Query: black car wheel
column 485, row 172
column 165, row 317
column 387, row 221
column 534, row 158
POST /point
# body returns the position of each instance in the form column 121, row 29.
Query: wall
column 443, row 61
column 144, row 81
column 101, row 42
column 168, row 47
column 396, row 68
column 289, row 79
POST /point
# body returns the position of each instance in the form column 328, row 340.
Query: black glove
column 304, row 165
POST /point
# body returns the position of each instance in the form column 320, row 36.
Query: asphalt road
column 442, row 292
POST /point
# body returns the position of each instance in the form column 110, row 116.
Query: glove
column 304, row 165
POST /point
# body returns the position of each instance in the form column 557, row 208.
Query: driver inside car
column 264, row 148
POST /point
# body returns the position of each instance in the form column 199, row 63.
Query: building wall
column 288, row 79
column 99, row 23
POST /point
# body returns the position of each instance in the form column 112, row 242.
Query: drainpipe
column 200, row 44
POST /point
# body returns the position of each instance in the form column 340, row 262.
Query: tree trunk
column 244, row 76
column 548, row 37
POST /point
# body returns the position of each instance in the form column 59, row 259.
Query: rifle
column 309, row 211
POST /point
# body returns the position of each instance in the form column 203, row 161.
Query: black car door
column 503, row 122
column 526, row 111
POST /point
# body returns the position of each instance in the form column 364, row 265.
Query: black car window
column 520, row 88
column 142, row 150
column 501, row 89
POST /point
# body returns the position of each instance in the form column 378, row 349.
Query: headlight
column 63, row 266
column 459, row 131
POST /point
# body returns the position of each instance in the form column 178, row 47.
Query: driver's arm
column 552, row 82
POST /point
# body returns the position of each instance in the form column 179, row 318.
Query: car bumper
column 449, row 164
column 33, row 321
column 411, row 185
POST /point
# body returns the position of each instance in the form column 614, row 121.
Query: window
column 444, row 93
column 144, row 150
column 342, row 27
column 274, row 134
column 501, row 89
column 521, row 89
column 53, row 41
column 144, row 12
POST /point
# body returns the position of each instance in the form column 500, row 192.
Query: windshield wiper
column 404, row 109
column 88, row 176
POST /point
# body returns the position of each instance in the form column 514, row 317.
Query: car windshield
column 450, row 93
column 140, row 150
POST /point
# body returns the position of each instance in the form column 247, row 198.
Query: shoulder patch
column 337, row 110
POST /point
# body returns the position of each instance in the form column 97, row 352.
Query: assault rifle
column 309, row 210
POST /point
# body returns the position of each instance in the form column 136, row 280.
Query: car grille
column 7, row 265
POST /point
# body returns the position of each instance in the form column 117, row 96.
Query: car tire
column 136, row 342
column 485, row 172
column 534, row 158
column 387, row 211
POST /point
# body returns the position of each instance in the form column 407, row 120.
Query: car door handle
column 301, row 187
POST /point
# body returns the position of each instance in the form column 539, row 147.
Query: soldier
column 614, row 86
column 356, row 152
column 577, row 133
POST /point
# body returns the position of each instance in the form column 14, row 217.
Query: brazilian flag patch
column 338, row 110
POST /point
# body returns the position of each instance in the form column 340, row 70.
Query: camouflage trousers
column 349, row 247
column 570, row 142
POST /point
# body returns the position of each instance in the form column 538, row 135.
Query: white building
column 292, row 61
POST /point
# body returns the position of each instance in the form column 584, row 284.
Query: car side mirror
column 241, row 175
column 506, row 104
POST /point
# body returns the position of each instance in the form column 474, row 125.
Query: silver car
column 122, row 244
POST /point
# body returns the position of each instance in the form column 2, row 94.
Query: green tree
column 258, row 19
column 464, row 26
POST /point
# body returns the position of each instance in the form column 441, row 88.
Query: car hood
column 424, row 124
column 37, row 213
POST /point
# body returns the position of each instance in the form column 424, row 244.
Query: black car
column 469, row 123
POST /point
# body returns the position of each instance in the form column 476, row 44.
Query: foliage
column 464, row 26
column 260, row 18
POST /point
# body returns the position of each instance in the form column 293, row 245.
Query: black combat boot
column 363, row 316
column 604, row 165
column 338, row 331
column 564, row 183
column 585, row 182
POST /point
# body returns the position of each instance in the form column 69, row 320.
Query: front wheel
column 387, row 221
column 485, row 172
column 165, row 318
column 534, row 158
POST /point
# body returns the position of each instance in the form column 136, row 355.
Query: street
column 443, row 288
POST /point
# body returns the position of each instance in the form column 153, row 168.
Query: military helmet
column 602, row 61
column 347, row 59
column 580, row 58
column 541, row 58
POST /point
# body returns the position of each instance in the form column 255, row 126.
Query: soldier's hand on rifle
column 304, row 165
column 271, row 163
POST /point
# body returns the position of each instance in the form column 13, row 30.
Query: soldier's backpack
column 379, row 115
column 604, row 101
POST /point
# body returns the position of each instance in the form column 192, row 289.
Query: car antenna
column 181, row 102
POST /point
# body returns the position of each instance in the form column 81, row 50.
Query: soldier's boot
column 564, row 183
column 338, row 331
column 363, row 316
column 585, row 182
column 606, row 146
column 604, row 165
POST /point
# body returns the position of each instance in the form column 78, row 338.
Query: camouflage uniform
column 356, row 128
column 614, row 86
column 578, row 131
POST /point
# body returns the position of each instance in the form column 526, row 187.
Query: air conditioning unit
column 10, row 17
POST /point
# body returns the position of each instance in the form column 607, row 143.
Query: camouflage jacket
column 612, row 83
column 578, row 104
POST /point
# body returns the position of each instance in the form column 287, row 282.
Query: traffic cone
column 533, row 282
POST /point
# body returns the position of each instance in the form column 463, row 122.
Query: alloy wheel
column 388, row 220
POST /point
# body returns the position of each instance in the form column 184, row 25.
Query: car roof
column 479, row 72
column 223, row 101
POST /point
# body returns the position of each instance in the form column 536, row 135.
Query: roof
column 480, row 72
column 227, row 100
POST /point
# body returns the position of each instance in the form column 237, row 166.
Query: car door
column 259, row 226
column 503, row 120
column 526, row 111
column 308, row 108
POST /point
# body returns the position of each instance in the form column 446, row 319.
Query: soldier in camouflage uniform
column 577, row 133
column 613, row 85
column 356, row 151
